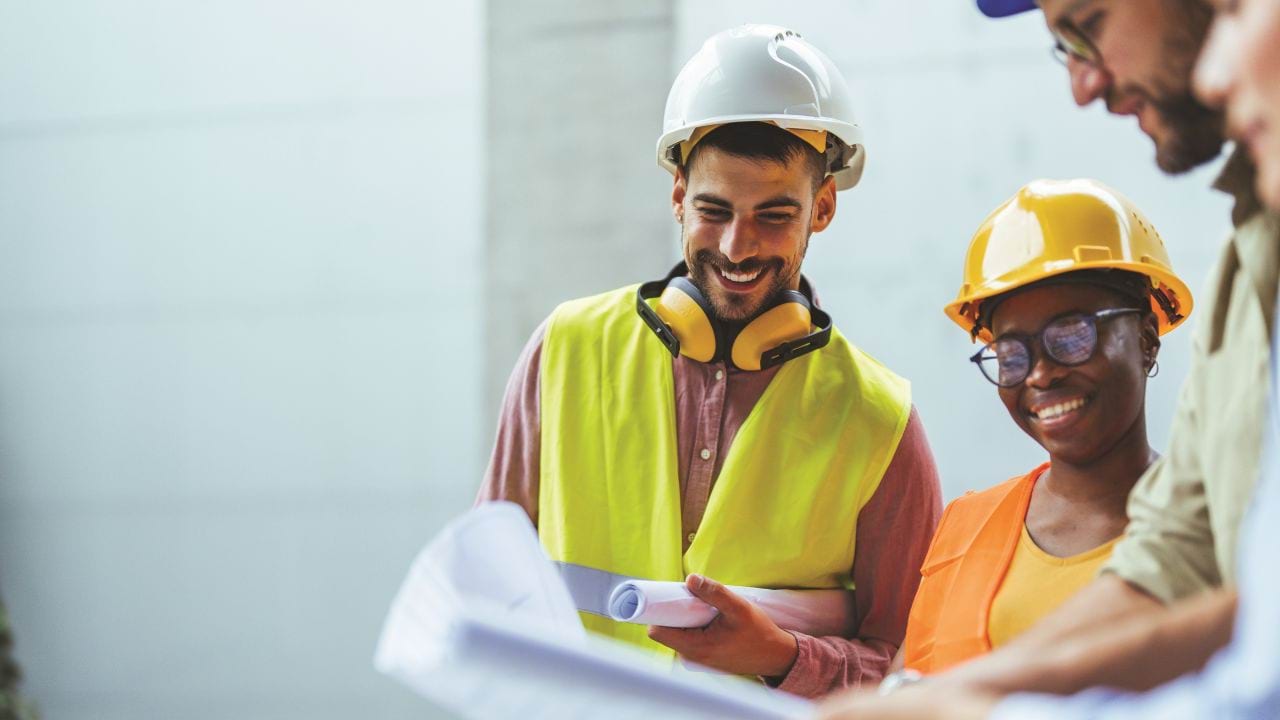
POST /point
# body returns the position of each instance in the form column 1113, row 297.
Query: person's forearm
column 894, row 530
column 1109, row 634
column 1151, row 650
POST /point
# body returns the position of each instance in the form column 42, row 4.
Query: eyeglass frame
column 1070, row 41
column 1027, row 341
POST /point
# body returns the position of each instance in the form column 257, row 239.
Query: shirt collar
column 1257, row 237
column 1236, row 180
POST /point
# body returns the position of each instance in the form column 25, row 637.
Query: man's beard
column 1194, row 133
column 733, row 309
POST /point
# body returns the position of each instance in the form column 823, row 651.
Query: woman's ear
column 1150, row 339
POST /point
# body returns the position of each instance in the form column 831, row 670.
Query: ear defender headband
column 682, row 319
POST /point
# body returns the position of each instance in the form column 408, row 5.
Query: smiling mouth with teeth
column 740, row 277
column 1053, row 411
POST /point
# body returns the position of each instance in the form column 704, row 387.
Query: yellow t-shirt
column 1036, row 584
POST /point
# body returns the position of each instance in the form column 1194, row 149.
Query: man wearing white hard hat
column 713, row 427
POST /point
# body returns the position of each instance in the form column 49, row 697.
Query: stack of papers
column 484, row 627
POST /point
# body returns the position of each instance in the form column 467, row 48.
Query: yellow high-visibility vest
column 783, row 512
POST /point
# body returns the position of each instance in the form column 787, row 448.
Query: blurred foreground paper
column 484, row 626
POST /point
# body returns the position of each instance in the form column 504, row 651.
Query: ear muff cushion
column 683, row 309
column 784, row 322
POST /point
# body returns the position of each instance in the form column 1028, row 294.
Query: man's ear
column 824, row 205
column 678, row 189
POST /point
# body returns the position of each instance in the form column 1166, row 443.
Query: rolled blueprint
column 812, row 612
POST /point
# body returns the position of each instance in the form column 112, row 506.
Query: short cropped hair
column 761, row 142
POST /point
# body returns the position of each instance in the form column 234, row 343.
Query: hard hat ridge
column 763, row 73
column 1053, row 227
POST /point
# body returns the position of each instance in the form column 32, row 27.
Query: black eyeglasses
column 1070, row 41
column 1069, row 340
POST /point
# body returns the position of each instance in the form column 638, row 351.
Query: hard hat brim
column 963, row 311
column 851, row 135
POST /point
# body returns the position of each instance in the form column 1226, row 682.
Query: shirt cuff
column 804, row 678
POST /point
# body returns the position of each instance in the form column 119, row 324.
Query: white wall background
column 238, row 263
column 240, row 267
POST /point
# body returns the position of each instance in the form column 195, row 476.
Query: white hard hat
column 764, row 73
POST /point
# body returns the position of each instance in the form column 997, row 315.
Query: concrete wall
column 575, row 201
column 239, row 312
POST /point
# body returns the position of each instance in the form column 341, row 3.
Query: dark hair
column 762, row 142
column 1134, row 287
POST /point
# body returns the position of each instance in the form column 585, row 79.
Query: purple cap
column 1005, row 8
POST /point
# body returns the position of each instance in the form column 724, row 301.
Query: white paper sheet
column 483, row 626
column 490, row 556
column 812, row 612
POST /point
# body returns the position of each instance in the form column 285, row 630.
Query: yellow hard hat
column 1051, row 227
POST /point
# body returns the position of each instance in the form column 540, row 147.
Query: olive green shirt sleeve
column 1185, row 512
column 1168, row 546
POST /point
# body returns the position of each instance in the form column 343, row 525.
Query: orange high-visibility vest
column 964, row 569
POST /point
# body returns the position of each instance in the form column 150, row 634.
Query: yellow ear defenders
column 682, row 319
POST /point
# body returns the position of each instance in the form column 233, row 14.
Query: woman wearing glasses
column 1070, row 289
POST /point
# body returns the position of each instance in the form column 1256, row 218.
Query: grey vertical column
column 575, row 202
